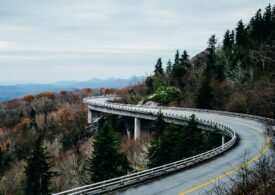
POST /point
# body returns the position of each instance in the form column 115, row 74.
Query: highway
column 196, row 179
column 199, row 179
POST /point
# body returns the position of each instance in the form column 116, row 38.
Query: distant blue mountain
column 20, row 90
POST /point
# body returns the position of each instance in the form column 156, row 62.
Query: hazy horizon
column 52, row 41
column 56, row 82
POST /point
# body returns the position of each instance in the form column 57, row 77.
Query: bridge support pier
column 93, row 115
column 137, row 129
column 128, row 133
column 89, row 116
column 222, row 141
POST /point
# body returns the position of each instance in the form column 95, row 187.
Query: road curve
column 199, row 179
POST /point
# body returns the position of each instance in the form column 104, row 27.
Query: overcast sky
column 57, row 40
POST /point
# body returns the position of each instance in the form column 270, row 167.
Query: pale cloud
column 69, row 39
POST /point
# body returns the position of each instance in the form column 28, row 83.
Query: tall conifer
column 106, row 162
column 37, row 171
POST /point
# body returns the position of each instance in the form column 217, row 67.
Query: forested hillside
column 45, row 144
column 235, row 74
column 45, row 128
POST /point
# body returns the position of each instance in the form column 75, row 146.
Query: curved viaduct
column 196, row 179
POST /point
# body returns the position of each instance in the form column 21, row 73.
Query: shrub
column 165, row 95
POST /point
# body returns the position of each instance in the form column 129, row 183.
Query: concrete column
column 128, row 133
column 137, row 129
column 89, row 116
column 222, row 141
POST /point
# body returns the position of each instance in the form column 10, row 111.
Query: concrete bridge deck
column 197, row 179
column 200, row 178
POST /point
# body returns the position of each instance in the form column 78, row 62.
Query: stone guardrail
column 134, row 178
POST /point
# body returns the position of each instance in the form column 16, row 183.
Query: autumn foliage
column 60, row 117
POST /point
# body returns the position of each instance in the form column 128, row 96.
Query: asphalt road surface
column 201, row 178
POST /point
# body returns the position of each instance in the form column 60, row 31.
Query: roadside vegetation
column 258, row 178
column 106, row 162
column 174, row 142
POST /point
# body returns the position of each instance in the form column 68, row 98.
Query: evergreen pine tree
column 227, row 41
column 232, row 38
column 176, row 63
column 267, row 16
column 180, row 68
column 159, row 80
column 191, row 137
column 273, row 24
column 169, row 67
column 184, row 57
column 37, row 171
column 273, row 16
column 211, row 52
column 220, row 72
column 177, row 58
column 164, row 147
column 212, row 139
column 32, row 117
column 169, row 145
column 205, row 95
column 149, row 85
column 256, row 25
column 155, row 152
column 212, row 44
column 267, row 22
column 241, row 35
column 184, row 61
column 169, row 71
column 158, row 67
column 225, row 57
column 192, row 123
column 106, row 162
column 175, row 143
column 159, row 125
column 241, row 55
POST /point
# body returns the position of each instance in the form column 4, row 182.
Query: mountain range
column 8, row 92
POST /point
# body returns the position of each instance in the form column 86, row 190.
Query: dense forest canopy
column 236, row 74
